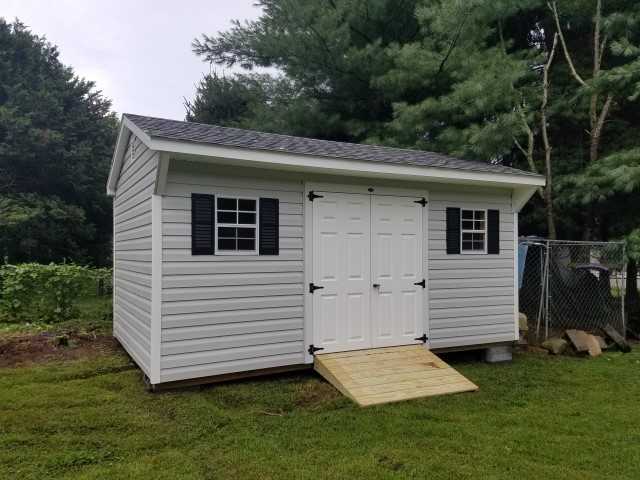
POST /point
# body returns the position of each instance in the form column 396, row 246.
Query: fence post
column 623, row 289
column 548, row 272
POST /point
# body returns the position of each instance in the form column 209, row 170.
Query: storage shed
column 238, row 251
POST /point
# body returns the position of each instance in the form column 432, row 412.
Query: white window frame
column 256, row 226
column 463, row 231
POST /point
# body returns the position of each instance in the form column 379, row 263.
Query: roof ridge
column 286, row 135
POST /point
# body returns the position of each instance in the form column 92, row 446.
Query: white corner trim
column 161, row 174
column 116, row 161
column 114, row 268
column 156, row 288
column 516, row 296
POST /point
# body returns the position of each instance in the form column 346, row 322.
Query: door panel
column 359, row 241
column 342, row 266
column 396, row 264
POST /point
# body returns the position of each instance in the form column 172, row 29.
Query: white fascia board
column 127, row 127
column 116, row 161
column 316, row 164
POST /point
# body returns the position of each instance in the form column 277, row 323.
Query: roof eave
column 294, row 162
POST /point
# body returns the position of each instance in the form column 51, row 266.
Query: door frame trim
column 308, row 245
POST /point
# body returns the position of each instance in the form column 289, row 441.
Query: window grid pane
column 473, row 228
column 236, row 224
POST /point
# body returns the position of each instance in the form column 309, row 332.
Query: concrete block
column 503, row 353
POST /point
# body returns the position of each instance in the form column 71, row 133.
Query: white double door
column 367, row 261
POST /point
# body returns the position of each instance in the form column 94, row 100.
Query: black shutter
column 269, row 226
column 203, row 210
column 493, row 231
column 453, row 230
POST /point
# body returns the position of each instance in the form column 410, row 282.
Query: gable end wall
column 132, row 252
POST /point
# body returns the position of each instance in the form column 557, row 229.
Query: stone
column 601, row 341
column 555, row 345
column 594, row 346
column 618, row 339
column 523, row 322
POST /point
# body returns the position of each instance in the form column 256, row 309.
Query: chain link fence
column 571, row 284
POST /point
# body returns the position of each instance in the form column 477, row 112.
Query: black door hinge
column 422, row 201
column 313, row 349
column 423, row 338
column 312, row 196
column 313, row 288
column 423, row 283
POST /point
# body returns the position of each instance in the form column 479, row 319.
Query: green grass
column 539, row 417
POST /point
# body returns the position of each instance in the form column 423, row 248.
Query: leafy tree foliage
column 332, row 50
column 42, row 228
column 459, row 76
column 56, row 140
column 260, row 102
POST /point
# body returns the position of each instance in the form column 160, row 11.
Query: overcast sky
column 137, row 51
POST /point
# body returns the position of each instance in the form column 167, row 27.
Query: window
column 473, row 231
column 236, row 225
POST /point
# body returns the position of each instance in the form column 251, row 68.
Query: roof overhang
column 236, row 156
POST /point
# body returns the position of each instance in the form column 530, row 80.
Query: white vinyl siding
column 471, row 297
column 233, row 313
column 229, row 313
column 132, row 252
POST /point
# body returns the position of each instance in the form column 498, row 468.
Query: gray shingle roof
column 236, row 137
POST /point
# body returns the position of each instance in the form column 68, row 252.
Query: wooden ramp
column 392, row 374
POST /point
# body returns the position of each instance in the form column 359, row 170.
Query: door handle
column 376, row 285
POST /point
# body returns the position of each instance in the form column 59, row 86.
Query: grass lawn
column 539, row 417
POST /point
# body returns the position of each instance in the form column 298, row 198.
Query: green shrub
column 32, row 292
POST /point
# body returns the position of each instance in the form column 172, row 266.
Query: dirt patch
column 314, row 394
column 18, row 350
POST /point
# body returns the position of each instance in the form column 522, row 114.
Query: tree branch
column 520, row 147
column 603, row 113
column 554, row 10
column 596, row 131
column 453, row 43
column 602, row 49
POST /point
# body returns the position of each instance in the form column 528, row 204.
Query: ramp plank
column 391, row 374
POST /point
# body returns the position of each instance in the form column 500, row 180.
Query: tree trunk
column 632, row 297
column 548, row 189
column 548, row 200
